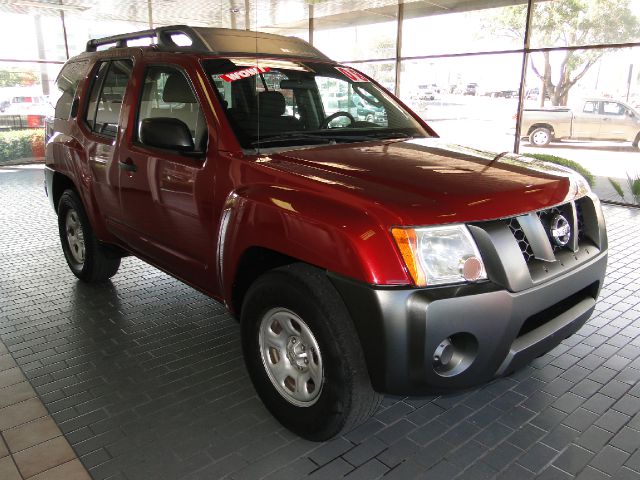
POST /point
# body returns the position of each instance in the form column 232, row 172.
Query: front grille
column 523, row 243
column 545, row 217
column 580, row 220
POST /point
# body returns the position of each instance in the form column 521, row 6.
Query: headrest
column 271, row 104
column 177, row 90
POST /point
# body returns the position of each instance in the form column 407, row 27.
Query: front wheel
column 636, row 142
column 540, row 137
column 303, row 353
column 87, row 258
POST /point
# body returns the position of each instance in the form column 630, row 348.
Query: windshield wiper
column 386, row 134
column 291, row 137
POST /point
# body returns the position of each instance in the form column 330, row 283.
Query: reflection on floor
column 145, row 379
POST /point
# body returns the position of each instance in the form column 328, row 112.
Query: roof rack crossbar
column 163, row 35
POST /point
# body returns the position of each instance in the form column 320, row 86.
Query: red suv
column 359, row 256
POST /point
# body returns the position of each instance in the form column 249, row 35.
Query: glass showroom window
column 463, row 32
column 36, row 36
column 377, row 41
column 468, row 100
column 594, row 122
column 383, row 72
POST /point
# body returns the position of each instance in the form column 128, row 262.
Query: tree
column 17, row 78
column 565, row 23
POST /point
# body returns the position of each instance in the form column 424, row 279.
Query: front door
column 167, row 196
column 616, row 124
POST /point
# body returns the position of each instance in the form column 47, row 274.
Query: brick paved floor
column 144, row 376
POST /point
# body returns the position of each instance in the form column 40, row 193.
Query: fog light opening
column 455, row 354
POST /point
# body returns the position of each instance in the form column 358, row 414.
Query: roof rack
column 163, row 34
column 222, row 41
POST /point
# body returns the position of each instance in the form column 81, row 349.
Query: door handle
column 127, row 165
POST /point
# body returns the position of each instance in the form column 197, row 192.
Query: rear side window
column 107, row 94
column 66, row 85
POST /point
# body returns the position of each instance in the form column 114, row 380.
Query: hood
column 428, row 181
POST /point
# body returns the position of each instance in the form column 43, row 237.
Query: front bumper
column 491, row 328
column 401, row 329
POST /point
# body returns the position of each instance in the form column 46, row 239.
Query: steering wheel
column 325, row 123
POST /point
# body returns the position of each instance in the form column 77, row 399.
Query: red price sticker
column 352, row 74
column 244, row 73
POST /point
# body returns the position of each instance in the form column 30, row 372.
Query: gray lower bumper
column 495, row 331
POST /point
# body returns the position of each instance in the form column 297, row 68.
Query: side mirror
column 166, row 132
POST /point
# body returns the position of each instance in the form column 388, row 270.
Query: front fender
column 309, row 227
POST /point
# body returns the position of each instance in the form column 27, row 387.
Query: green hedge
column 566, row 163
column 19, row 143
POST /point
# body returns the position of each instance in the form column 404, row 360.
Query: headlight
column 439, row 255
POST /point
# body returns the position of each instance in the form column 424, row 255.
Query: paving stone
column 44, row 456
column 590, row 473
column 398, row 452
column 21, row 412
column 8, row 470
column 502, row 455
column 609, row 459
column 370, row 470
column 580, row 419
column 612, row 420
column 515, row 472
column 32, row 433
column 626, row 474
column 573, row 459
column 364, row 452
column 627, row 439
column 330, row 450
column 537, row 457
column 334, row 469
column 594, row 438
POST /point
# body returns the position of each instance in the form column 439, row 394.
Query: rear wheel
column 636, row 142
column 87, row 258
column 303, row 353
column 540, row 137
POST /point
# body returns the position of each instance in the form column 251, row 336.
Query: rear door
column 102, row 128
column 167, row 196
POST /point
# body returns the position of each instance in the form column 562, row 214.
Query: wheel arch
column 548, row 126
column 265, row 227
column 254, row 262
column 59, row 184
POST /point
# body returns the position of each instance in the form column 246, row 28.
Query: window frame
column 135, row 140
column 98, row 82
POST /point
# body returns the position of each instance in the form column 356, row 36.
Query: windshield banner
column 352, row 74
column 244, row 73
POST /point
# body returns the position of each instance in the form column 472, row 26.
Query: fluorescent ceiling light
column 50, row 6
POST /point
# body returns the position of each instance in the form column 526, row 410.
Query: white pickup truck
column 598, row 119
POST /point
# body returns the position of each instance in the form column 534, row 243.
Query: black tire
column 540, row 137
column 99, row 263
column 636, row 142
column 345, row 397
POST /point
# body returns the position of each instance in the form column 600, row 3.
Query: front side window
column 612, row 108
column 167, row 93
column 66, row 85
column 107, row 94
column 283, row 104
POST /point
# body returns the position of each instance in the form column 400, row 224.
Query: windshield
column 282, row 103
